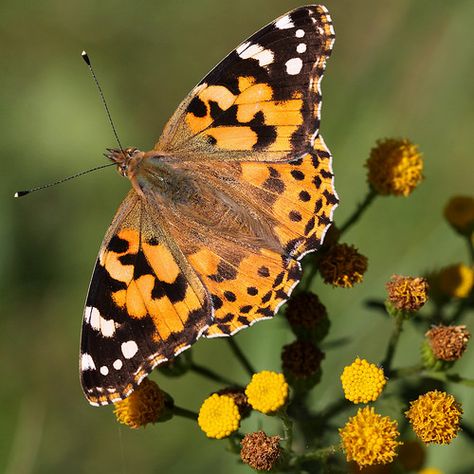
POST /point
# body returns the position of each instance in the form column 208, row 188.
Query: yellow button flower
column 369, row 438
column 145, row 405
column 219, row 416
column 362, row 382
column 430, row 470
column 459, row 212
column 435, row 417
column 342, row 265
column 267, row 391
column 456, row 280
column 394, row 167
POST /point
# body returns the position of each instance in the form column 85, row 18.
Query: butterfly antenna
column 28, row 191
column 87, row 60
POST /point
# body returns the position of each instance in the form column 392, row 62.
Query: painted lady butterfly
column 238, row 188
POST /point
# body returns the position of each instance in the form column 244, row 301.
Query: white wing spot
column 299, row 33
column 301, row 48
column 242, row 47
column 105, row 326
column 87, row 363
column 293, row 66
column 104, row 370
column 284, row 23
column 255, row 51
column 118, row 364
column 129, row 349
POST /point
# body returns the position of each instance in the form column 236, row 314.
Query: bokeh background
column 399, row 68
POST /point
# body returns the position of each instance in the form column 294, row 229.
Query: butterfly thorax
column 153, row 174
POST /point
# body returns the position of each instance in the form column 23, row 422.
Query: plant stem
column 370, row 196
column 287, row 428
column 240, row 356
column 444, row 377
column 185, row 413
column 320, row 454
column 210, row 374
column 392, row 344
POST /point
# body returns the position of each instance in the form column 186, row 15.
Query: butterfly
column 238, row 188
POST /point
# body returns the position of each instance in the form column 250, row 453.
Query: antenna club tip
column 20, row 194
column 85, row 57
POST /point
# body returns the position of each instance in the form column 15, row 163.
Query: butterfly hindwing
column 262, row 101
column 145, row 305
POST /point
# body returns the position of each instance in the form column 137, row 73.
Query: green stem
column 370, row 196
column 392, row 345
column 210, row 374
column 240, row 356
column 320, row 454
column 287, row 428
column 444, row 377
column 185, row 413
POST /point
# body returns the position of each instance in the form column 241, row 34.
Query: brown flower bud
column 407, row 293
column 301, row 359
column 260, row 451
column 448, row 342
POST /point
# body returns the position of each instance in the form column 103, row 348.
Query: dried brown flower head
column 260, row 451
column 448, row 342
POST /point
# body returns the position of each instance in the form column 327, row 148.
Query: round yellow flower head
column 259, row 451
column 459, row 212
column 369, row 438
column 219, row 416
column 435, row 417
column 362, row 382
column 267, row 391
column 407, row 293
column 394, row 167
column 145, row 405
column 342, row 265
column 456, row 280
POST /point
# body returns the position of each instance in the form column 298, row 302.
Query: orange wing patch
column 245, row 291
column 299, row 195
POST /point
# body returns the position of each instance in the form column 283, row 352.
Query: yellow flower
column 342, row 265
column 435, row 417
column 459, row 212
column 145, row 405
column 456, row 280
column 259, row 451
column 369, row 438
column 394, row 167
column 362, row 382
column 407, row 293
column 430, row 470
column 219, row 416
column 267, row 391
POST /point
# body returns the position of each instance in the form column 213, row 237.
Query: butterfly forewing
column 262, row 101
column 145, row 305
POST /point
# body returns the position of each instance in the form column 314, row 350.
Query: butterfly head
column 126, row 160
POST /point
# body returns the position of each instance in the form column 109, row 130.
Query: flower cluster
column 369, row 440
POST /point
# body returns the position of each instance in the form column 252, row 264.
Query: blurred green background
column 399, row 68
